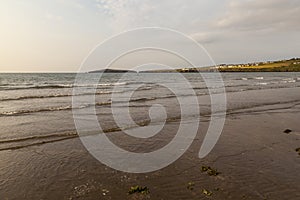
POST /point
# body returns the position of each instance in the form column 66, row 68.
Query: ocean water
column 37, row 108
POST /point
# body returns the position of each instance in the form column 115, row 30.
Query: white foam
column 259, row 78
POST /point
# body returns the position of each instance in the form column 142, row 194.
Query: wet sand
column 254, row 156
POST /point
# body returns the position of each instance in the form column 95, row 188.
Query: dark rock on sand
column 287, row 131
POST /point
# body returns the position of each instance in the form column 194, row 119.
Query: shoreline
column 243, row 102
column 248, row 101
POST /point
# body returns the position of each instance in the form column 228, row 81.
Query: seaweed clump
column 138, row 189
column 210, row 171
column 190, row 185
column 207, row 192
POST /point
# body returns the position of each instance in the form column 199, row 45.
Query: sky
column 57, row 35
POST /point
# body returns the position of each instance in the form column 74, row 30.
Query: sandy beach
column 254, row 158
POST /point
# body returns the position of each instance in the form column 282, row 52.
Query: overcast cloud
column 257, row 15
column 57, row 35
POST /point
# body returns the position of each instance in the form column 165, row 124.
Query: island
column 113, row 71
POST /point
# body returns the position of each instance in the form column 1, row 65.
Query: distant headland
column 290, row 65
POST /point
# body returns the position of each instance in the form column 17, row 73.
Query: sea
column 38, row 108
